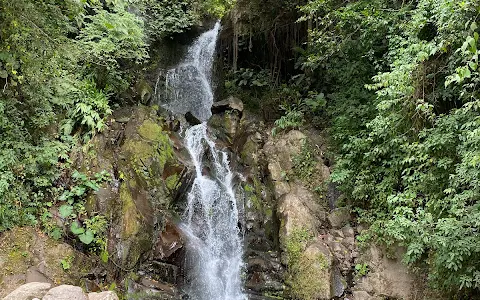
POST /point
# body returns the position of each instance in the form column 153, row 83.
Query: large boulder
column 299, row 209
column 109, row 295
column 65, row 292
column 29, row 291
column 388, row 277
column 296, row 173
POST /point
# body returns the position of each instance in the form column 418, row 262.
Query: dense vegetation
column 63, row 66
column 407, row 137
column 398, row 83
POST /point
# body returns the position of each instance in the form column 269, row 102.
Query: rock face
column 317, row 240
column 136, row 149
column 387, row 277
column 27, row 255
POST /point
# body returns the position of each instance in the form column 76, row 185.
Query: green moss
column 310, row 277
column 295, row 244
column 150, row 131
column 149, row 154
column 307, row 273
column 249, row 148
column 130, row 215
column 172, row 182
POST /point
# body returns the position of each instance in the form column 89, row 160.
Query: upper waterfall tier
column 188, row 86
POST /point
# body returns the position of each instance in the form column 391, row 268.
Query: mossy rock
column 137, row 150
column 24, row 248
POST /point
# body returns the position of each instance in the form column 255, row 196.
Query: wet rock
column 226, row 126
column 191, row 119
column 169, row 241
column 339, row 217
column 65, row 292
column 162, row 272
column 29, row 291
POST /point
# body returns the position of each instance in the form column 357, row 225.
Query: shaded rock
column 338, row 283
column 232, row 103
column 65, row 292
column 29, row 291
column 264, row 273
column 162, row 272
column 339, row 217
column 169, row 241
column 109, row 295
column 191, row 119
column 143, row 91
column 150, row 289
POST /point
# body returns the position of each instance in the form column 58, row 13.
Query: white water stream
column 214, row 247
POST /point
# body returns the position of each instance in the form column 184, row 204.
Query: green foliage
column 292, row 119
column 216, row 8
column 110, row 37
column 401, row 82
column 304, row 163
column 165, row 17
column 62, row 64
column 67, row 262
column 91, row 109
column 361, row 270
column 88, row 230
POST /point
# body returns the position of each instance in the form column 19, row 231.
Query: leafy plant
column 401, row 80
column 304, row 162
column 292, row 119
column 66, row 263
column 90, row 230
column 361, row 270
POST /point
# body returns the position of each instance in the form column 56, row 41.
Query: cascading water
column 214, row 247
column 188, row 86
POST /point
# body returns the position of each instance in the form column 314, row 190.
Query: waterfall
column 214, row 247
column 189, row 85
